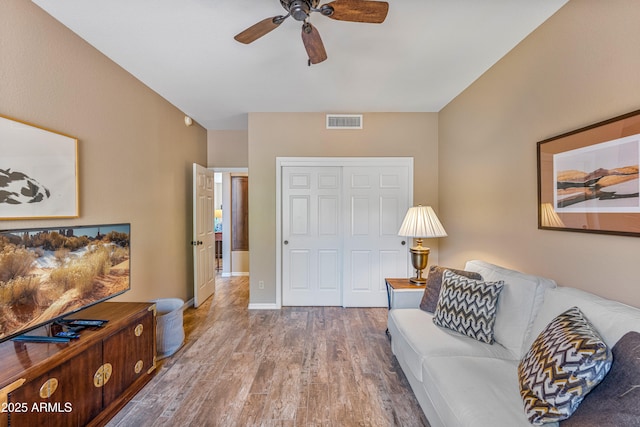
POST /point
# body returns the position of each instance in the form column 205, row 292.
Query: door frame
column 324, row 161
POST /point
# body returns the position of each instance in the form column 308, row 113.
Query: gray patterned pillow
column 468, row 306
column 614, row 402
column 565, row 362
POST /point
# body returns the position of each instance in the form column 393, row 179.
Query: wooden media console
column 85, row 381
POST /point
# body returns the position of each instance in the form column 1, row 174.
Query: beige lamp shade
column 218, row 213
column 422, row 222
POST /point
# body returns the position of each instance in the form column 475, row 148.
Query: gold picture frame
column 588, row 178
column 38, row 172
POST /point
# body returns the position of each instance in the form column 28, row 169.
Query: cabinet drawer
column 131, row 354
column 64, row 396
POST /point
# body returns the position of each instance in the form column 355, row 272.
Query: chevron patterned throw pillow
column 429, row 300
column 565, row 362
column 468, row 306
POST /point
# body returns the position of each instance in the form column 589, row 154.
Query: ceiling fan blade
column 313, row 44
column 258, row 30
column 373, row 12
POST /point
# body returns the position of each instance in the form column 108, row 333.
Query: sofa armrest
column 406, row 298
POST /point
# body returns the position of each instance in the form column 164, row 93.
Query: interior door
column 311, row 236
column 203, row 242
column 377, row 198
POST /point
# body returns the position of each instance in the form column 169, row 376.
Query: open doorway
column 232, row 259
column 217, row 219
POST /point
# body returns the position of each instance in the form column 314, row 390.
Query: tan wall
column 239, row 262
column 135, row 154
column 578, row 68
column 227, row 149
column 274, row 135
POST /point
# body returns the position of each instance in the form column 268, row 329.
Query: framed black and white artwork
column 38, row 172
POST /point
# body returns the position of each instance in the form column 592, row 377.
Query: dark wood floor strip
column 295, row 367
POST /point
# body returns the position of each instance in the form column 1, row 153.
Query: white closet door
column 377, row 198
column 311, row 236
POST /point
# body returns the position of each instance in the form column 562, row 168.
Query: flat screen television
column 49, row 273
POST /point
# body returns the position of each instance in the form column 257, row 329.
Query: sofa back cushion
column 612, row 319
column 519, row 301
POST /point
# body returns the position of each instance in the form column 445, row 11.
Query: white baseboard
column 262, row 306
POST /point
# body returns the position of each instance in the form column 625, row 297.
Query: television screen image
column 49, row 273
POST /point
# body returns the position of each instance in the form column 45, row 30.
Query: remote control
column 87, row 322
column 68, row 334
column 37, row 338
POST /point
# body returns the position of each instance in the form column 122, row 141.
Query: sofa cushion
column 414, row 338
column 468, row 306
column 434, row 283
column 614, row 402
column 612, row 319
column 565, row 362
column 519, row 301
column 474, row 391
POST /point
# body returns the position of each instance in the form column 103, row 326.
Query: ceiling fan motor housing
column 299, row 9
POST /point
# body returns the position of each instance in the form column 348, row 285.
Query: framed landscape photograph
column 588, row 178
column 38, row 172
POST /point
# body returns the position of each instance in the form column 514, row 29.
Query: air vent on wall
column 344, row 121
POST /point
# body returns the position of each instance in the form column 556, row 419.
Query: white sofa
column 463, row 382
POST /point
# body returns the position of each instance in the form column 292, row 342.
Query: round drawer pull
column 139, row 366
column 102, row 375
column 48, row 388
column 138, row 330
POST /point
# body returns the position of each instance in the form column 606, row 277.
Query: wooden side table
column 396, row 287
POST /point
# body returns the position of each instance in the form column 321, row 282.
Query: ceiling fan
column 373, row 12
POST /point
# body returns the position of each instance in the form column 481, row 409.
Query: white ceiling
column 419, row 59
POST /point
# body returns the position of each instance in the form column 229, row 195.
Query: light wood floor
column 299, row 366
